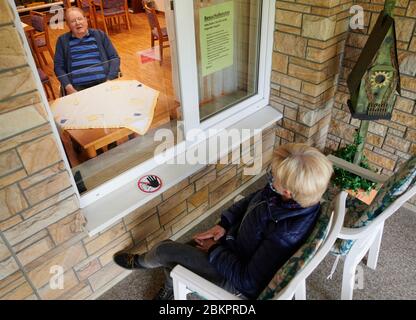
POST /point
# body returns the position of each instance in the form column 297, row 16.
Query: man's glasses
column 79, row 19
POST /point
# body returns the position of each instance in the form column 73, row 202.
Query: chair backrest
column 84, row 4
column 311, row 253
column 151, row 16
column 38, row 21
column 396, row 187
column 114, row 4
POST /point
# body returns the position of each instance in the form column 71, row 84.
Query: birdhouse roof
column 376, row 38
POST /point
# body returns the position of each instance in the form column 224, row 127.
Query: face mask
column 270, row 180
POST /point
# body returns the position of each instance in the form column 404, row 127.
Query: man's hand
column 205, row 245
column 70, row 89
column 214, row 233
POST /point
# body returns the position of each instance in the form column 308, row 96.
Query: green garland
column 347, row 180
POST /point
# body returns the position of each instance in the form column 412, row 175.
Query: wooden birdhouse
column 375, row 79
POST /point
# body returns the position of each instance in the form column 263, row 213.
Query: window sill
column 109, row 209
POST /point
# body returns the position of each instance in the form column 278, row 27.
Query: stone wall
column 40, row 219
column 309, row 41
column 389, row 143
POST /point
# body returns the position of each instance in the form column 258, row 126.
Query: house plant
column 361, row 188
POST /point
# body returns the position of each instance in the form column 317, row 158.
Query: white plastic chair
column 294, row 272
column 364, row 234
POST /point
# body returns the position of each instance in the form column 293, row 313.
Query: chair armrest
column 353, row 168
column 203, row 287
column 356, row 233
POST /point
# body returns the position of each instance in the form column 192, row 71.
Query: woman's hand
column 206, row 244
column 214, row 233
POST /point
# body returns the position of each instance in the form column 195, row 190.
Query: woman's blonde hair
column 303, row 170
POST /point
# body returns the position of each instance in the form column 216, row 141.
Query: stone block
column 7, row 267
column 286, row 81
column 6, row 13
column 380, row 160
column 173, row 213
column 17, row 121
column 223, row 178
column 316, row 27
column 105, row 275
column 16, row 82
column 42, row 175
column 189, row 218
column 290, row 18
column 290, row 44
column 198, row 198
column 94, row 244
column 48, row 188
column 39, row 154
column 9, row 162
column 66, row 258
column 220, row 193
column 405, row 119
column 36, row 250
column 27, row 99
column 397, row 143
column 12, row 54
column 175, row 189
column 307, row 74
column 404, row 28
column 47, row 203
column 12, row 201
column 25, row 137
column 280, row 62
column 411, row 10
column 66, row 228
column 176, row 200
column 41, row 220
column 4, row 251
column 141, row 211
column 70, row 281
column 146, row 228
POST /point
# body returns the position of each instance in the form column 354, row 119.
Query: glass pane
column 108, row 125
column 228, row 44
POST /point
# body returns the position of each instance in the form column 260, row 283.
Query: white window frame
column 186, row 48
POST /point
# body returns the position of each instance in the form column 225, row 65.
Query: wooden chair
column 156, row 32
column 88, row 7
column 44, row 78
column 113, row 9
column 40, row 38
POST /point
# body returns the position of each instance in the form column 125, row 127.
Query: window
column 214, row 73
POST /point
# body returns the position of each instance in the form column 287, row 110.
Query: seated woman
column 256, row 235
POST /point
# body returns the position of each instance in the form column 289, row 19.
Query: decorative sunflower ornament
column 380, row 79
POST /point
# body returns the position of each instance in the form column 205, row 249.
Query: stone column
column 308, row 46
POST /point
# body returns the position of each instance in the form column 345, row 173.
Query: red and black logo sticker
column 150, row 183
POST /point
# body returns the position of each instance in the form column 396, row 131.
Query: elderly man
column 84, row 57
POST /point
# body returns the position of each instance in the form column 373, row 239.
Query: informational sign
column 149, row 183
column 216, row 24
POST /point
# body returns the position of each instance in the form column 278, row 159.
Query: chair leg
column 105, row 26
column 50, row 51
column 375, row 249
column 300, row 293
column 127, row 21
column 43, row 58
column 161, row 51
column 352, row 260
column 152, row 39
column 179, row 290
